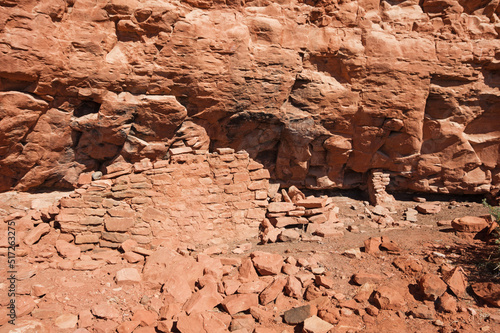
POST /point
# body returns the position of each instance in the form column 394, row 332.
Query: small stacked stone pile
column 285, row 219
column 376, row 189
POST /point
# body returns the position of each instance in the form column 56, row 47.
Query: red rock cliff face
column 321, row 92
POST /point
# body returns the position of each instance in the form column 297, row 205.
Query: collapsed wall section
column 191, row 198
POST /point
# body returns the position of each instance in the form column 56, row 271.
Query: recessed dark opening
column 85, row 108
column 267, row 158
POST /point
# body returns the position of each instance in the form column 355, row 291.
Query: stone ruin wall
column 192, row 198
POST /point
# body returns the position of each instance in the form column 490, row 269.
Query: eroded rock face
column 320, row 92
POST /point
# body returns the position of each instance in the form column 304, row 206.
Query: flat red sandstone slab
column 312, row 202
column 470, row 223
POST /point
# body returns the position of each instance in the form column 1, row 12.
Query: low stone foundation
column 190, row 198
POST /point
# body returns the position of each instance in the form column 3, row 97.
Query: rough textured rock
column 267, row 263
column 315, row 324
column 176, row 273
column 471, row 223
column 489, row 292
column 389, row 298
column 428, row 208
column 128, row 276
column 297, row 315
column 36, row 233
column 319, row 92
column 67, row 250
column 66, row 321
column 239, row 302
column 456, row 281
column 432, row 286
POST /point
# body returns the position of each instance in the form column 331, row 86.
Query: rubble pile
column 190, row 291
column 300, row 217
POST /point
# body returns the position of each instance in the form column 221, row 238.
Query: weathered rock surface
column 489, row 292
column 297, row 315
column 471, row 223
column 432, row 286
column 319, row 92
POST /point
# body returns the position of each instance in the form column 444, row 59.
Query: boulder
column 388, row 298
column 471, row 223
column 489, row 292
column 432, row 286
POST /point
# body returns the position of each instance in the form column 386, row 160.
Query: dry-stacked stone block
column 376, row 188
column 193, row 197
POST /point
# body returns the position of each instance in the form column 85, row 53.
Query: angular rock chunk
column 387, row 298
column 297, row 315
column 36, row 233
column 267, row 263
column 315, row 324
column 128, row 276
column 432, row 286
column 239, row 302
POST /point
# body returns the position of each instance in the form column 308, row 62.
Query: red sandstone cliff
column 321, row 92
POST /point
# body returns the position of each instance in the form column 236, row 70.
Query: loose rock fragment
column 239, row 302
column 66, row 321
column 456, row 281
column 447, row 303
column 432, row 286
column 315, row 324
column 273, row 290
column 362, row 278
column 293, row 287
column 128, row 276
column 297, row 315
column 372, row 245
column 389, row 245
column 242, row 323
column 267, row 263
column 68, row 250
column 36, row 233
column 352, row 253
column 106, row 311
column 203, row 300
column 388, row 298
column 428, row 208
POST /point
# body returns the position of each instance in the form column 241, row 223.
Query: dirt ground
column 430, row 243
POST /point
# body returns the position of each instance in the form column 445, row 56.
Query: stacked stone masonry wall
column 376, row 188
column 191, row 198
